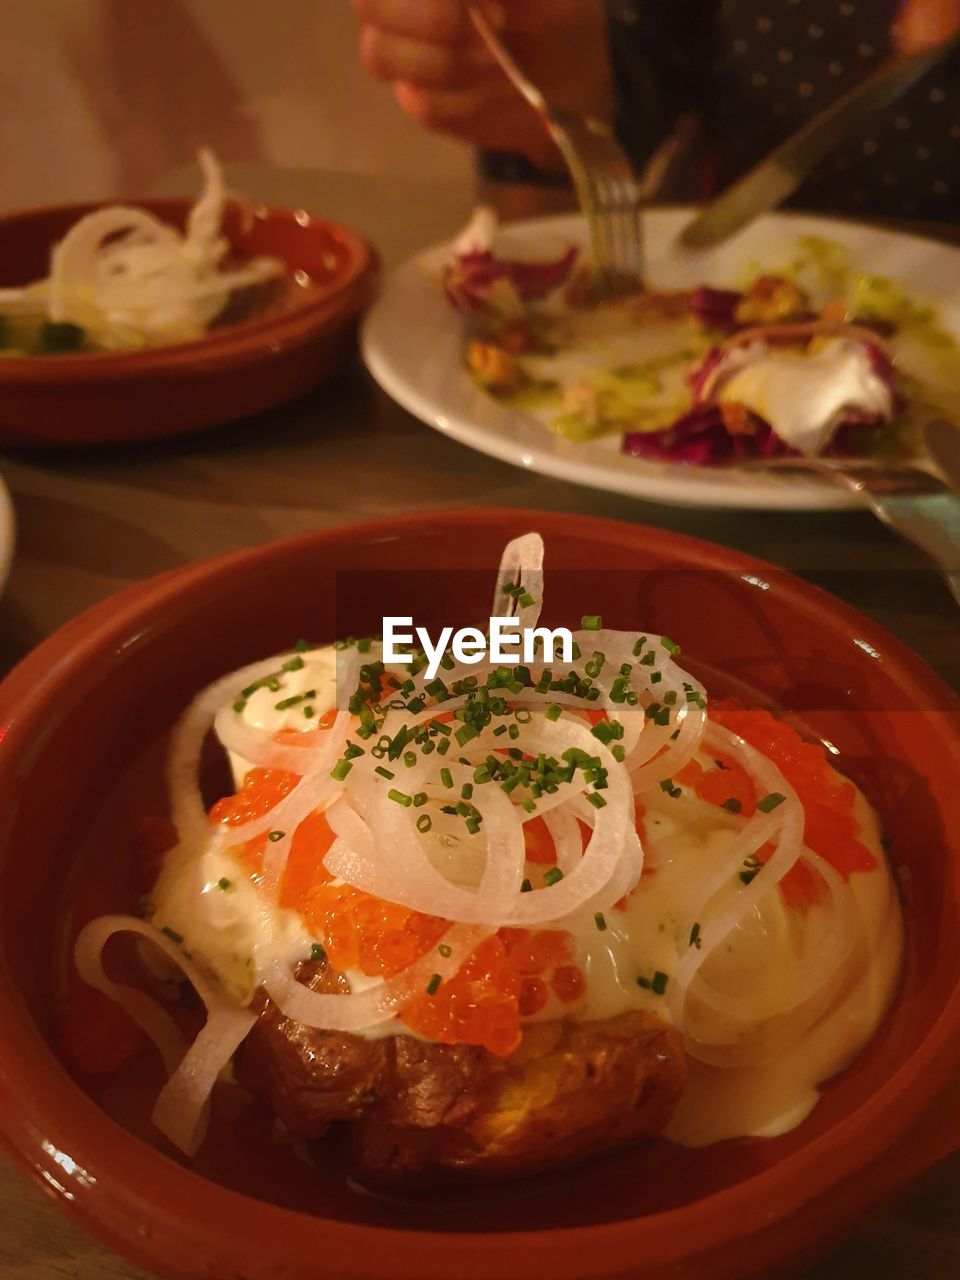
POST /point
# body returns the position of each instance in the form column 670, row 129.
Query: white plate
column 412, row 343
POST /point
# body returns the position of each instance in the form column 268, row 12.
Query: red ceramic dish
column 234, row 371
column 83, row 720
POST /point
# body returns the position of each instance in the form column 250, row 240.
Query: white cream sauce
column 804, row 397
column 761, row 967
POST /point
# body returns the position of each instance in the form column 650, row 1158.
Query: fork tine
column 619, row 205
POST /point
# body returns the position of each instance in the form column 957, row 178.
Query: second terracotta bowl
column 234, row 371
column 83, row 722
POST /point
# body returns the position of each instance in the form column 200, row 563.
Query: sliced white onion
column 360, row 1010
column 182, row 1106
column 521, row 565
column 129, row 280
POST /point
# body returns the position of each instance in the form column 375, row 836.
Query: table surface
column 92, row 521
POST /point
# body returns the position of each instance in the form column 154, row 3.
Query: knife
column 785, row 168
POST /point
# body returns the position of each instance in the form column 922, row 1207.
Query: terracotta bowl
column 236, row 370
column 83, row 722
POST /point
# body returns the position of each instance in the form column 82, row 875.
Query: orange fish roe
column 507, row 978
column 830, row 825
column 538, row 843
column 533, row 996
column 260, row 790
column 568, row 983
column 305, row 869
column 727, row 781
column 362, row 932
column 478, row 1005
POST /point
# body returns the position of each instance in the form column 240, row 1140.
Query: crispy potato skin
column 416, row 1109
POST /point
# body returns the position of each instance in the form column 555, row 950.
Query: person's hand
column 443, row 76
column 923, row 24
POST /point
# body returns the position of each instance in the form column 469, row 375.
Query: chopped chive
column 446, row 777
column 317, row 952
column 732, row 805
column 643, row 982
column 525, row 600
column 302, row 646
column 172, row 934
column 239, row 705
column 638, row 646
column 525, row 886
column 591, row 622
column 600, row 921
column 659, row 983
column 424, row 823
column 596, row 799
column 400, row 797
column 293, row 664
column 434, row 984
column 554, row 711
column 466, row 791
column 553, row 876
column 225, row 884
column 276, row 835
column 420, row 799
column 671, row 646
column 385, row 773
column 309, row 712
column 445, row 950
column 619, row 754
column 340, row 770
column 770, row 802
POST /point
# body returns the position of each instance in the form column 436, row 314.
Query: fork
column 915, row 503
column 608, row 190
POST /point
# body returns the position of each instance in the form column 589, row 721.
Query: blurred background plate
column 413, row 345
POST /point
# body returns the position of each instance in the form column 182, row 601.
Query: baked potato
column 416, row 1108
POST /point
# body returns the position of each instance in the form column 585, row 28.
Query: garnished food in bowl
column 122, row 279
column 488, row 916
column 815, row 359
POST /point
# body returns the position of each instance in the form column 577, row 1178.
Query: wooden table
column 92, row 521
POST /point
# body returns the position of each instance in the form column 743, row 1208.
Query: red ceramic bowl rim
column 130, row 1173
column 319, row 303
